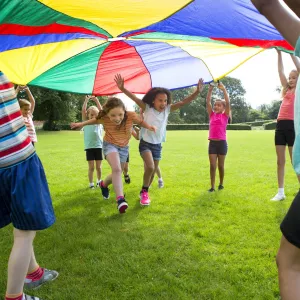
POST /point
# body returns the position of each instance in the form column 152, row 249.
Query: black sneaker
column 104, row 190
column 220, row 187
column 122, row 205
column 211, row 190
column 127, row 178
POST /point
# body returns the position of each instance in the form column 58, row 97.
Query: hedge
column 270, row 126
column 258, row 123
column 206, row 127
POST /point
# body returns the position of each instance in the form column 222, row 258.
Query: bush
column 51, row 126
column 258, row 123
column 206, row 127
column 270, row 126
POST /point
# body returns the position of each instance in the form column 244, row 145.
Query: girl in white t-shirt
column 157, row 106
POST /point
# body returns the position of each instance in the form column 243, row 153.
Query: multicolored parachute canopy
column 79, row 46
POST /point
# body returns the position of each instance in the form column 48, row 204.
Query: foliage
column 270, row 126
column 206, row 127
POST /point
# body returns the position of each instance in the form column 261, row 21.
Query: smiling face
column 92, row 113
column 293, row 77
column 25, row 110
column 219, row 106
column 160, row 102
column 116, row 115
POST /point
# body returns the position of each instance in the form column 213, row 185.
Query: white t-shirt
column 157, row 119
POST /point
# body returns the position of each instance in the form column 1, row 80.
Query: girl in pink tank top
column 218, row 120
column 285, row 133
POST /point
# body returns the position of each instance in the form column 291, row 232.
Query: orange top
column 286, row 111
column 120, row 135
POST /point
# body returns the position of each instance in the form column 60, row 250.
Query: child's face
column 116, row 115
column 160, row 102
column 293, row 77
column 92, row 114
column 219, row 107
column 25, row 110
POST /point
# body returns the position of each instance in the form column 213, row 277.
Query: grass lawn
column 188, row 244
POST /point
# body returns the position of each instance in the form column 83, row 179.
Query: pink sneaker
column 144, row 198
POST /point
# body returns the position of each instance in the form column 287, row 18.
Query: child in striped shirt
column 118, row 125
column 27, row 109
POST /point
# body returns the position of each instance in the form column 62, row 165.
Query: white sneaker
column 278, row 197
column 160, row 183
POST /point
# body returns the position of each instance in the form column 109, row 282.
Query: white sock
column 98, row 180
column 281, row 191
column 91, row 183
column 160, row 179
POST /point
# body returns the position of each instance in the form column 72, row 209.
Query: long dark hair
column 110, row 104
column 151, row 94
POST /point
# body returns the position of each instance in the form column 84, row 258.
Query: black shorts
column 285, row 133
column 127, row 158
column 94, row 154
column 218, row 147
column 290, row 226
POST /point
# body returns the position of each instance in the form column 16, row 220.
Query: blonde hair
column 221, row 100
column 24, row 102
column 94, row 108
column 287, row 87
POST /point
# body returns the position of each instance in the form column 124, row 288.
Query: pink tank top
column 217, row 126
column 286, row 111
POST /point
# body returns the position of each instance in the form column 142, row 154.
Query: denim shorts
column 218, row 147
column 155, row 149
column 110, row 148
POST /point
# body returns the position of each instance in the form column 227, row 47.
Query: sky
column 259, row 77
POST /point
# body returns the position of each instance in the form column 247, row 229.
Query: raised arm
column 190, row 98
column 208, row 99
column 294, row 5
column 30, row 97
column 226, row 98
column 282, row 76
column 281, row 17
column 96, row 100
column 119, row 80
column 296, row 62
column 83, row 109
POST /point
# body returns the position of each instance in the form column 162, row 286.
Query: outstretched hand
column 75, row 125
column 200, row 85
column 221, row 86
column 119, row 80
column 152, row 128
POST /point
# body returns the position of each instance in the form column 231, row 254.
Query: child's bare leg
column 213, row 167
column 115, row 178
column 91, row 171
column 158, row 172
column 19, row 261
column 98, row 169
column 221, row 163
column 126, row 169
column 149, row 168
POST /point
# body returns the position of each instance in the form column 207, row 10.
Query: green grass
column 187, row 245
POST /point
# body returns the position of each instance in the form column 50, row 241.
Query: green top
column 93, row 136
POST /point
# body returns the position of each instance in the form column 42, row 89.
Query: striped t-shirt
column 120, row 135
column 30, row 128
column 15, row 144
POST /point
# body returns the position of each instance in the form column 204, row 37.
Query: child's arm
column 190, row 98
column 208, row 99
column 83, row 110
column 281, row 17
column 96, row 100
column 226, row 98
column 296, row 62
column 282, row 76
column 30, row 97
column 119, row 80
column 294, row 5
column 87, row 122
column 136, row 132
column 137, row 120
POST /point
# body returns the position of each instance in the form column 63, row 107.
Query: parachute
column 79, row 46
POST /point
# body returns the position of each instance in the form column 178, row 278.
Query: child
column 156, row 105
column 135, row 134
column 218, row 120
column 92, row 140
column 118, row 127
column 285, row 133
column 27, row 109
column 24, row 197
column 288, row 257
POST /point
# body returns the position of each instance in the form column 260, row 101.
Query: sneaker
column 104, row 190
column 48, row 276
column 278, row 197
column 27, row 297
column 160, row 183
column 122, row 205
column 98, row 184
column 220, row 187
column 211, row 190
column 144, row 198
column 92, row 187
column 127, row 178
